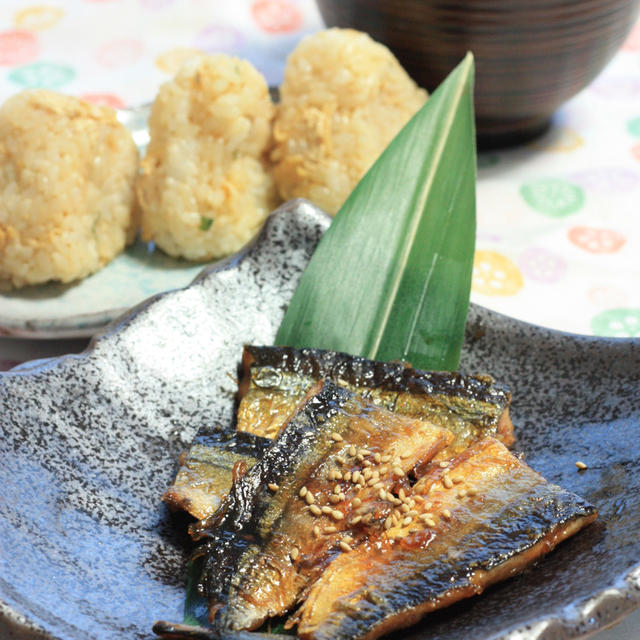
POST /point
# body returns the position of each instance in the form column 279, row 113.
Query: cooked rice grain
column 204, row 187
column 67, row 173
column 343, row 99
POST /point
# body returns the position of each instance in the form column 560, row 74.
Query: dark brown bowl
column 531, row 55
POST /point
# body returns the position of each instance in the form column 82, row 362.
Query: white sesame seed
column 273, row 486
column 456, row 479
column 359, row 457
column 382, row 494
column 309, row 497
column 342, row 497
column 412, row 513
column 337, row 515
column 303, row 492
column 581, row 465
column 367, row 518
column 404, row 508
column 330, row 529
column 462, row 493
column 446, row 481
column 401, row 494
column 356, row 519
column 316, row 530
column 352, row 451
column 385, row 458
column 472, row 491
column 315, row 509
column 446, row 514
column 344, row 546
column 407, row 521
column 334, row 499
column 367, row 473
column 294, row 553
column 355, row 477
column 388, row 523
column 398, row 471
column 365, row 452
column 356, row 502
column 348, row 539
column 327, row 509
column 347, row 476
column 430, row 522
column 366, row 463
column 336, row 437
column 377, row 457
column 443, row 465
column 341, row 460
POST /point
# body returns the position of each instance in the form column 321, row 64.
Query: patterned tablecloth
column 558, row 239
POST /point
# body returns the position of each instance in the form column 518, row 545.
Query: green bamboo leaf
column 196, row 610
column 391, row 277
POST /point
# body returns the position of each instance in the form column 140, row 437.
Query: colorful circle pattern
column 617, row 323
column 494, row 274
column 553, row 197
column 43, row 75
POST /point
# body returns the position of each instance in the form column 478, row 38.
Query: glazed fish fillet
column 336, row 469
column 482, row 519
column 209, row 468
column 274, row 379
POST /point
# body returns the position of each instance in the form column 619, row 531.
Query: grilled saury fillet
column 479, row 521
column 314, row 493
column 208, row 469
column 274, row 379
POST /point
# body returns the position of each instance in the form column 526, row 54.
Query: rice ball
column 205, row 188
column 343, row 99
column 67, row 178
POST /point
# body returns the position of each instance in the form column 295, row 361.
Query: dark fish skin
column 390, row 583
column 250, row 573
column 274, row 379
column 207, row 471
column 174, row 631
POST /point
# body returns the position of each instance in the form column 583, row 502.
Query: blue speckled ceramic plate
column 89, row 443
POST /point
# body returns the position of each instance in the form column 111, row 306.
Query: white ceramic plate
column 79, row 309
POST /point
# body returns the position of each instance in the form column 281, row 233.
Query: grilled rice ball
column 204, row 188
column 343, row 99
column 67, row 176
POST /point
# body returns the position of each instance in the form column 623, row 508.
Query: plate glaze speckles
column 89, row 442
